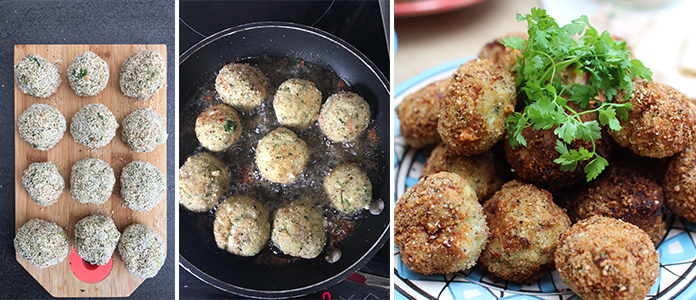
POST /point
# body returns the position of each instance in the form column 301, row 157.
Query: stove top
column 359, row 23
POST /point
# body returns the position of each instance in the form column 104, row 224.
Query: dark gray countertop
column 78, row 22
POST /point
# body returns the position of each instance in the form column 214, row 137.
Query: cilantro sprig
column 551, row 53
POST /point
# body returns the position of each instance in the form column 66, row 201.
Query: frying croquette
column 661, row 123
column 679, row 184
column 622, row 192
column 525, row 226
column 482, row 172
column 606, row 258
column 480, row 97
column 418, row 114
column 439, row 225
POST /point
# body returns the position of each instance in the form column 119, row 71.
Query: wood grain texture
column 58, row 280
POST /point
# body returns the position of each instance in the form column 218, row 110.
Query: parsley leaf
column 79, row 75
column 230, row 126
column 549, row 57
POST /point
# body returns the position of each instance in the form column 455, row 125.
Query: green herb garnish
column 79, row 75
column 230, row 126
column 552, row 50
column 35, row 60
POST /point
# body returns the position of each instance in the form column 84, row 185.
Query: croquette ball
column 143, row 74
column 281, row 155
column 43, row 183
column 143, row 251
column 622, row 192
column 142, row 185
column 439, row 225
column 93, row 125
column 241, row 86
column 87, row 74
column 297, row 103
column 506, row 57
column 661, row 123
column 96, row 237
column 679, row 184
column 605, row 258
column 480, row 97
column 42, row 126
column 218, row 128
column 202, row 180
column 242, row 226
column 41, row 243
column 143, row 130
column 299, row 229
column 418, row 114
column 348, row 188
column 92, row 180
column 344, row 116
column 535, row 164
column 482, row 172
column 525, row 226
column 36, row 76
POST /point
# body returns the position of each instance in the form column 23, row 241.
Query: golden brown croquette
column 535, row 162
column 679, row 184
column 439, row 225
column 418, row 114
column 661, row 123
column 622, row 192
column 504, row 56
column 480, row 97
column 525, row 227
column 605, row 258
column 482, row 172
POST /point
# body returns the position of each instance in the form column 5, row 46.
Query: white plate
column 677, row 251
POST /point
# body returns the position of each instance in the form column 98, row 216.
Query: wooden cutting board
column 59, row 280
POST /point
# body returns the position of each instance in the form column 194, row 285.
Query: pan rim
column 366, row 256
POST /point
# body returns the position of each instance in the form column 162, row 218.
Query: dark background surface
column 78, row 22
column 357, row 22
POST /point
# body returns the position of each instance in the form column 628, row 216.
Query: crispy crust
column 501, row 55
column 439, row 225
column 482, row 172
column 625, row 193
column 662, row 122
column 535, row 163
column 418, row 114
column 606, row 258
column 679, row 184
column 480, row 97
column 525, row 227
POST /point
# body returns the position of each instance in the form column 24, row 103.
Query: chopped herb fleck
column 230, row 126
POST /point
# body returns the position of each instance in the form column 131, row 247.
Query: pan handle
column 370, row 280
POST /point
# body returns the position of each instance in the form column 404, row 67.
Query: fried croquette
column 525, row 228
column 661, row 123
column 622, row 192
column 482, row 172
column 535, row 162
column 606, row 258
column 679, row 184
column 418, row 114
column 481, row 95
column 504, row 56
column 439, row 225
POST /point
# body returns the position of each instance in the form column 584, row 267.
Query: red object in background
column 87, row 272
column 326, row 296
column 409, row 8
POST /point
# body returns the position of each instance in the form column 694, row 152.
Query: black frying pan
column 282, row 50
